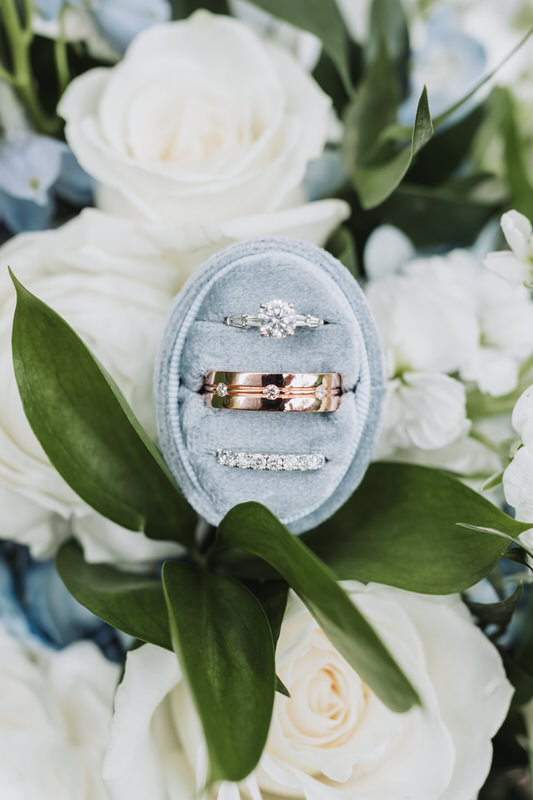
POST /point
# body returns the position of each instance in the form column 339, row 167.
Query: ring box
column 196, row 340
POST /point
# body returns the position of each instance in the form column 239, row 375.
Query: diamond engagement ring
column 266, row 391
column 291, row 462
column 276, row 320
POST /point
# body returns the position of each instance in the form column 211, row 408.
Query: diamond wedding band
column 264, row 391
column 275, row 319
column 291, row 462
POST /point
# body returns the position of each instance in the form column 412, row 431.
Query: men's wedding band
column 275, row 319
column 280, row 391
column 289, row 462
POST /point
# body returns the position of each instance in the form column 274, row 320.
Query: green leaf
column 515, row 157
column 445, row 153
column 404, row 527
column 388, row 31
column 132, row 603
column 377, row 177
column 254, row 529
column 499, row 613
column 341, row 245
column 273, row 597
column 432, row 215
column 224, row 645
column 87, row 429
column 320, row 17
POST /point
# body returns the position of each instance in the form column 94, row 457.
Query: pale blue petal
column 29, row 165
column 73, row 184
column 121, row 20
column 49, row 9
column 24, row 215
column 450, row 63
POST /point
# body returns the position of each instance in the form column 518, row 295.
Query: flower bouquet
column 196, row 602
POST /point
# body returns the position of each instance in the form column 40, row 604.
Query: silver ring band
column 290, row 462
column 275, row 319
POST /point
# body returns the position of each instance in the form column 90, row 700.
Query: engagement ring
column 276, row 320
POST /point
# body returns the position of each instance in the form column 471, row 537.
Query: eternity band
column 291, row 462
column 265, row 391
column 275, row 319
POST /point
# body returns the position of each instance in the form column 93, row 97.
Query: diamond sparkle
column 222, row 390
column 277, row 319
column 271, row 392
column 273, row 462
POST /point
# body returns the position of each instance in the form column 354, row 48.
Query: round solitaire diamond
column 277, row 319
column 320, row 392
column 222, row 390
column 271, row 392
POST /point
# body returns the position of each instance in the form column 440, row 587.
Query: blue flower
column 56, row 617
column 11, row 614
column 34, row 170
column 121, row 20
column 449, row 64
column 35, row 602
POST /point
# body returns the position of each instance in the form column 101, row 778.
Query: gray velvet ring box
column 196, row 340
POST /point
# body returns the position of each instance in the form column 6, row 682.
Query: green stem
column 480, row 437
column 60, row 54
column 20, row 39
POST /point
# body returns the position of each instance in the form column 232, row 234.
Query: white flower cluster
column 518, row 477
column 449, row 326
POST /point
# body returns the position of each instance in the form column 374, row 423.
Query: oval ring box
column 196, row 340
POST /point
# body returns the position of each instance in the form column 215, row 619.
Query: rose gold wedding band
column 278, row 391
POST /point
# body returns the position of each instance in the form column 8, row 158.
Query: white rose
column 424, row 410
column 54, row 720
column 201, row 123
column 518, row 484
column 523, row 417
column 515, row 265
column 113, row 281
column 333, row 738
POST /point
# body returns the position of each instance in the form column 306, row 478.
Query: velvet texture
column 234, row 281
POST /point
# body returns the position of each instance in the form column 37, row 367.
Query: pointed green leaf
column 132, row 603
column 254, row 529
column 87, row 429
column 404, row 526
column 223, row 640
column 376, row 179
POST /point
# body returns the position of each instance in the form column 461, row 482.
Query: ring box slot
column 197, row 340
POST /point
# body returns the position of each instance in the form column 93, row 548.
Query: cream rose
column 333, row 738
column 55, row 710
column 200, row 124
